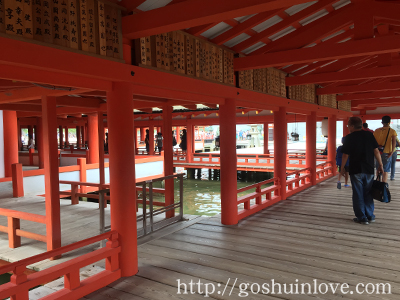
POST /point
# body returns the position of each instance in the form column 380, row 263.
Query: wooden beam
column 197, row 30
column 41, row 76
column 386, row 86
column 362, row 104
column 192, row 13
column 381, row 45
column 314, row 66
column 33, row 93
column 19, row 107
column 79, row 102
column 333, row 22
column 244, row 26
column 373, row 95
column 370, row 73
column 288, row 21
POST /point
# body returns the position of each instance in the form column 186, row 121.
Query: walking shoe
column 339, row 185
column 371, row 220
column 346, row 185
column 360, row 222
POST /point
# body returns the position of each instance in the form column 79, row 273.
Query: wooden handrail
column 57, row 252
column 258, row 184
column 22, row 215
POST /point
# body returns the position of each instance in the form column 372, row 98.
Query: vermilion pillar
column 10, row 136
column 87, row 137
column 83, row 136
column 189, row 140
column 178, row 133
column 151, row 138
column 93, row 134
column 332, row 142
column 280, row 148
column 101, row 147
column 227, row 123
column 142, row 134
column 311, row 145
column 168, row 158
column 135, row 138
column 78, row 137
column 61, row 135
column 39, row 145
column 53, row 223
column 66, row 136
column 266, row 138
column 122, row 174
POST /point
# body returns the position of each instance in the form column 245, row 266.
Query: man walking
column 386, row 137
column 362, row 147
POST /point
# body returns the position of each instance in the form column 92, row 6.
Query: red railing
column 20, row 283
column 301, row 181
column 271, row 193
column 13, row 227
column 75, row 193
column 262, row 160
column 324, row 171
column 180, row 156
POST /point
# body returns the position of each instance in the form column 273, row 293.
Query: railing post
column 17, row 180
column 102, row 215
column 258, row 198
column 144, row 209
column 247, row 204
column 14, row 241
column 181, row 197
column 297, row 182
column 74, row 197
column 72, row 280
column 31, row 151
column 151, row 205
column 82, row 173
column 112, row 262
column 17, row 278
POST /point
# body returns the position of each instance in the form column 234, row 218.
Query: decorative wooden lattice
column 327, row 100
column 344, row 105
column 88, row 25
column 271, row 81
column 304, row 93
column 185, row 54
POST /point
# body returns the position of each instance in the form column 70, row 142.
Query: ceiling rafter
column 385, row 44
column 371, row 95
column 286, row 22
column 340, row 37
column 192, row 13
column 333, row 22
column 244, row 27
column 379, row 72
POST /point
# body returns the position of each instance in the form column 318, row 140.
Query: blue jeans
column 393, row 168
column 387, row 162
column 363, row 204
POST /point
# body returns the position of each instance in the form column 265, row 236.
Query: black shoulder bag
column 380, row 190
